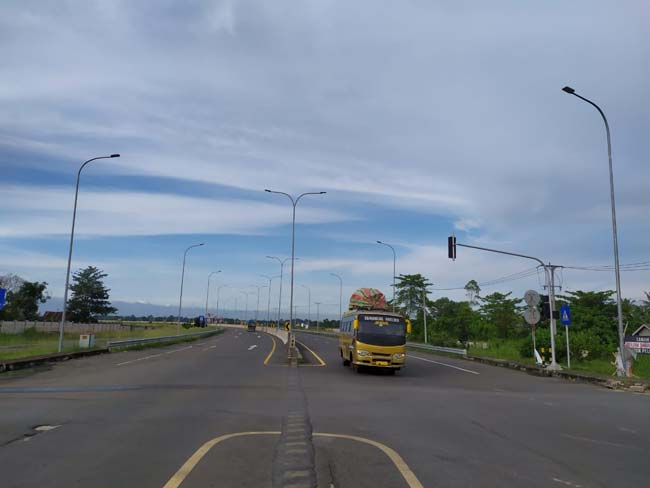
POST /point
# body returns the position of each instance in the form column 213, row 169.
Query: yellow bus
column 374, row 338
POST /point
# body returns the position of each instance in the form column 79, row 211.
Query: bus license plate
column 382, row 363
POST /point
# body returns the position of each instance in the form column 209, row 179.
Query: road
column 160, row 418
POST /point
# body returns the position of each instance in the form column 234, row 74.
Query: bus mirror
column 355, row 324
column 409, row 327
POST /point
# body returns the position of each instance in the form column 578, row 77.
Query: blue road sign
column 3, row 294
column 565, row 314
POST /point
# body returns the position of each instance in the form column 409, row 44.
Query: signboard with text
column 639, row 344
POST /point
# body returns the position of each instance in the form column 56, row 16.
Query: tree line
column 89, row 298
column 498, row 316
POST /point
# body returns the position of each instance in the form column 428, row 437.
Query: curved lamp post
column 180, row 300
column 67, row 274
column 340, row 297
column 617, row 271
column 207, row 292
column 294, row 202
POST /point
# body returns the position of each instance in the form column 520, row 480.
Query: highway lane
column 485, row 426
column 158, row 417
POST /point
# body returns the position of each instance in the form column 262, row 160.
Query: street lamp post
column 246, row 310
column 340, row 297
column 617, row 271
column 268, row 305
column 281, row 261
column 219, row 288
column 180, row 300
column 394, row 262
column 257, row 309
column 317, row 314
column 294, row 202
column 308, row 303
column 207, row 293
column 74, row 218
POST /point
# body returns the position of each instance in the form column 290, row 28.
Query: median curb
column 634, row 385
column 24, row 363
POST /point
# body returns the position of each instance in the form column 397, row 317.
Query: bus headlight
column 363, row 353
column 398, row 355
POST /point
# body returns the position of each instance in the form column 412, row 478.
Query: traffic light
column 451, row 247
column 546, row 307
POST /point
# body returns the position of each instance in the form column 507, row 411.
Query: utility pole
column 451, row 242
column 424, row 312
column 551, row 298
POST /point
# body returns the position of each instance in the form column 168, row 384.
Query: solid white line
column 443, row 364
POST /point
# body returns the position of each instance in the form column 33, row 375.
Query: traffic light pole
column 548, row 275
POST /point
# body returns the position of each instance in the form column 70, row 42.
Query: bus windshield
column 381, row 330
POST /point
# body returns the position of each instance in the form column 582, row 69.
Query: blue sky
column 418, row 118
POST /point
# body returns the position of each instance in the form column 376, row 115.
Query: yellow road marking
column 271, row 353
column 322, row 363
column 187, row 467
column 180, row 475
column 397, row 460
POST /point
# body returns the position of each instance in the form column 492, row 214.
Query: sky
column 418, row 118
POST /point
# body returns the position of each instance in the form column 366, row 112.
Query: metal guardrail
column 449, row 350
column 149, row 340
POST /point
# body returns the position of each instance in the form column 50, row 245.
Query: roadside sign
column 639, row 344
column 531, row 297
column 3, row 294
column 532, row 315
column 565, row 314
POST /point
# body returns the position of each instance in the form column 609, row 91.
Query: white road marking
column 152, row 356
column 250, row 348
column 443, row 364
column 568, row 483
column 596, row 441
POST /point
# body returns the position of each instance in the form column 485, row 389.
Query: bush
column 585, row 345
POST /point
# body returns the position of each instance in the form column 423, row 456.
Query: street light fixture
column 394, row 262
column 67, row 274
column 180, row 300
column 207, row 293
column 308, row 304
column 257, row 309
column 340, row 297
column 268, row 305
column 617, row 271
column 294, row 202
column 219, row 288
column 281, row 261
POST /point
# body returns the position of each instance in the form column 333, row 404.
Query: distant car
column 251, row 326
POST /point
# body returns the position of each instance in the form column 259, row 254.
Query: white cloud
column 47, row 211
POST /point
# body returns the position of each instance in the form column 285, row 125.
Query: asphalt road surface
column 228, row 412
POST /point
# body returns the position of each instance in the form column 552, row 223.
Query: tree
column 593, row 311
column 451, row 321
column 89, row 296
column 473, row 292
column 22, row 304
column 11, row 282
column 501, row 312
column 409, row 289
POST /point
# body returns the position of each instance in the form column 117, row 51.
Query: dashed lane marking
column 443, row 364
column 250, row 348
column 153, row 356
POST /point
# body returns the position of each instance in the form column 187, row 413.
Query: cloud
column 46, row 211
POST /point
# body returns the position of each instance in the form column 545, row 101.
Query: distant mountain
column 144, row 309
